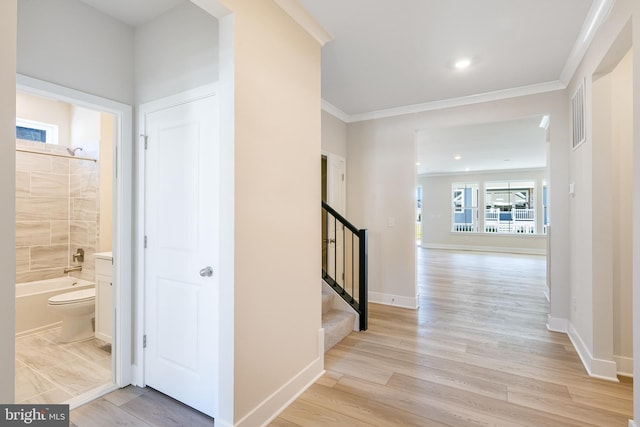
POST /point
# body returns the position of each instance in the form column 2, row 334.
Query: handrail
column 340, row 218
column 336, row 275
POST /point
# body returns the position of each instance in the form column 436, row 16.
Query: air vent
column 577, row 116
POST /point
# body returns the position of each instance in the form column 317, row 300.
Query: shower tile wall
column 56, row 212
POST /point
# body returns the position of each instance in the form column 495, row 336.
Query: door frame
column 122, row 216
column 140, row 298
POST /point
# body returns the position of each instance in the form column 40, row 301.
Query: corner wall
column 8, row 31
column 600, row 169
column 277, row 215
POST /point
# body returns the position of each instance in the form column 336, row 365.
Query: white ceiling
column 388, row 56
column 394, row 53
column 513, row 144
column 133, row 12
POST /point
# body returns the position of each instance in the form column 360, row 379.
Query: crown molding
column 335, row 111
column 600, row 10
column 298, row 13
column 447, row 103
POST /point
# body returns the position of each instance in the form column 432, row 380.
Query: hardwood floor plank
column 373, row 413
column 476, row 352
column 421, row 404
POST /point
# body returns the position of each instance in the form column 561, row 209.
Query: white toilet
column 77, row 311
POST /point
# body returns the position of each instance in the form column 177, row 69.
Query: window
column 510, row 207
column 36, row 131
column 465, row 207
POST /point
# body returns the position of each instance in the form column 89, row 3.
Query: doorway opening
column 71, row 238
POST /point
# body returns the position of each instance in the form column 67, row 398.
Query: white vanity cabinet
column 104, row 296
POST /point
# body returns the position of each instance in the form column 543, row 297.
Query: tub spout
column 74, row 268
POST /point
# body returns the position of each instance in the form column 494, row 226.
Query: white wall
column 382, row 181
column 8, row 24
column 176, row 52
column 601, row 170
column 622, row 94
column 334, row 135
column 71, row 44
column 437, row 214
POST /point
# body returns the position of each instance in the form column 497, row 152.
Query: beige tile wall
column 56, row 212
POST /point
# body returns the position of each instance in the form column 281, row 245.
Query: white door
column 181, row 217
column 336, row 169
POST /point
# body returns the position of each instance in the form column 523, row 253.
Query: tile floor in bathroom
column 51, row 372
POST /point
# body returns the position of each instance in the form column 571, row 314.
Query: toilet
column 77, row 311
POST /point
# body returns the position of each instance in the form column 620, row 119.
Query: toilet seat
column 74, row 297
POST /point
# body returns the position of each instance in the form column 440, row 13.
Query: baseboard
column 394, row 300
column 596, row 368
column 526, row 251
column 632, row 423
column 272, row 406
column 624, row 366
column 557, row 324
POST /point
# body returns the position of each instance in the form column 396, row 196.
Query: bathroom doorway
column 69, row 246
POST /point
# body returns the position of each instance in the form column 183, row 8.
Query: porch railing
column 344, row 260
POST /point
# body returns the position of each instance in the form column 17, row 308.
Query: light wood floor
column 477, row 352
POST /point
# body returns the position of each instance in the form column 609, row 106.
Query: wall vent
column 577, row 116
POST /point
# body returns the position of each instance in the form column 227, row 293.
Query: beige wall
column 437, row 214
column 8, row 31
column 277, row 170
column 47, row 111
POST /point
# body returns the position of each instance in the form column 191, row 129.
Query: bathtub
column 32, row 313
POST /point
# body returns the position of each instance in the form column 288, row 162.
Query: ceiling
column 133, row 12
column 389, row 57
column 387, row 54
column 507, row 145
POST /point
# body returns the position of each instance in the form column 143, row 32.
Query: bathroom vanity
column 104, row 296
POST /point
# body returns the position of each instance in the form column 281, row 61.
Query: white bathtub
column 32, row 313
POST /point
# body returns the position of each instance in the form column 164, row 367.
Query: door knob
column 206, row 272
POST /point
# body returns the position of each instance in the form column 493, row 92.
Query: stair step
column 327, row 301
column 337, row 325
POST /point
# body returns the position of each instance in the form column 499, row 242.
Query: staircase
column 337, row 322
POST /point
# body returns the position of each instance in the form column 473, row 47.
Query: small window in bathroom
column 36, row 131
column 31, row 134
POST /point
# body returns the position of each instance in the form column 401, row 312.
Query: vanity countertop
column 104, row 255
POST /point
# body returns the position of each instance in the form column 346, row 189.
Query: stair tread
column 337, row 325
column 327, row 300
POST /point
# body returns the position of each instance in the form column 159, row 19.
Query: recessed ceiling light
column 418, row 163
column 466, row 169
column 457, row 157
column 462, row 63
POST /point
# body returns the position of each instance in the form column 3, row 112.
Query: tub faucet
column 79, row 255
column 74, row 268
